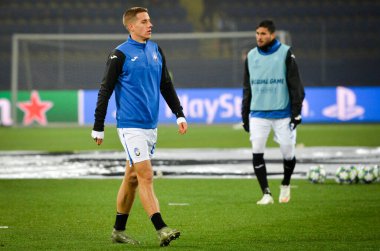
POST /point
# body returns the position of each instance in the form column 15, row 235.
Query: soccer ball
column 377, row 172
column 316, row 174
column 368, row 174
column 346, row 175
column 354, row 174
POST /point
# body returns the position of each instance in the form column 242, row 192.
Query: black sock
column 267, row 191
column 157, row 221
column 261, row 172
column 121, row 221
column 288, row 171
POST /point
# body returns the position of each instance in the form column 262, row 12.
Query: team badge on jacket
column 155, row 58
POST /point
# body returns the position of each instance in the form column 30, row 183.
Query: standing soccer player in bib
column 272, row 99
column 136, row 71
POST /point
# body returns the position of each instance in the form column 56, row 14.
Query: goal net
column 77, row 61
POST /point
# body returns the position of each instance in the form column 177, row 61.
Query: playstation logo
column 345, row 107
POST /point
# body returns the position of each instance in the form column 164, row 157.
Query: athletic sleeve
column 113, row 69
column 247, row 95
column 167, row 89
column 296, row 89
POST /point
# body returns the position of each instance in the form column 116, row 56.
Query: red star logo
column 35, row 109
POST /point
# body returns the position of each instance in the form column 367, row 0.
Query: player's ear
column 130, row 27
column 273, row 35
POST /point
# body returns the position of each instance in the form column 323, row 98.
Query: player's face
column 263, row 36
column 141, row 28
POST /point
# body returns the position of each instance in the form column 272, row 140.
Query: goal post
column 77, row 61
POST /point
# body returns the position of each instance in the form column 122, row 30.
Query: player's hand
column 245, row 123
column 98, row 137
column 294, row 121
column 182, row 125
column 246, row 126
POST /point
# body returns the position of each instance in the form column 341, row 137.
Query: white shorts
column 260, row 129
column 139, row 144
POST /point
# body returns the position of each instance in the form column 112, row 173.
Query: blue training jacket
column 137, row 91
column 137, row 73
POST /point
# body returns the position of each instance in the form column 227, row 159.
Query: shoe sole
column 122, row 242
column 169, row 239
column 284, row 200
column 264, row 204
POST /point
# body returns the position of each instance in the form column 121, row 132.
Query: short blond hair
column 130, row 15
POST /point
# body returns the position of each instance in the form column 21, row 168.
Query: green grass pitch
column 211, row 136
column 78, row 214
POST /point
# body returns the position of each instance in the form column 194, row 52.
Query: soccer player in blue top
column 136, row 71
column 272, row 98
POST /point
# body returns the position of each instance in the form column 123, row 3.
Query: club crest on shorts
column 137, row 151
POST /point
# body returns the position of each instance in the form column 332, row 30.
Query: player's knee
column 287, row 151
column 145, row 176
column 258, row 147
column 148, row 176
column 258, row 144
column 132, row 180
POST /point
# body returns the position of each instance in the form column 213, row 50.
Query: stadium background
column 56, row 206
column 336, row 42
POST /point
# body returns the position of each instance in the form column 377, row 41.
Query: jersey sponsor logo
column 113, row 56
column 345, row 107
column 268, row 81
column 134, row 58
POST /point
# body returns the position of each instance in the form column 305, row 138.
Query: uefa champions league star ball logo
column 137, row 151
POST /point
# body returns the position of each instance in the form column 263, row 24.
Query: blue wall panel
column 212, row 106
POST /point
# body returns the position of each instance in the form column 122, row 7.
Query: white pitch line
column 178, row 204
column 4, row 227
